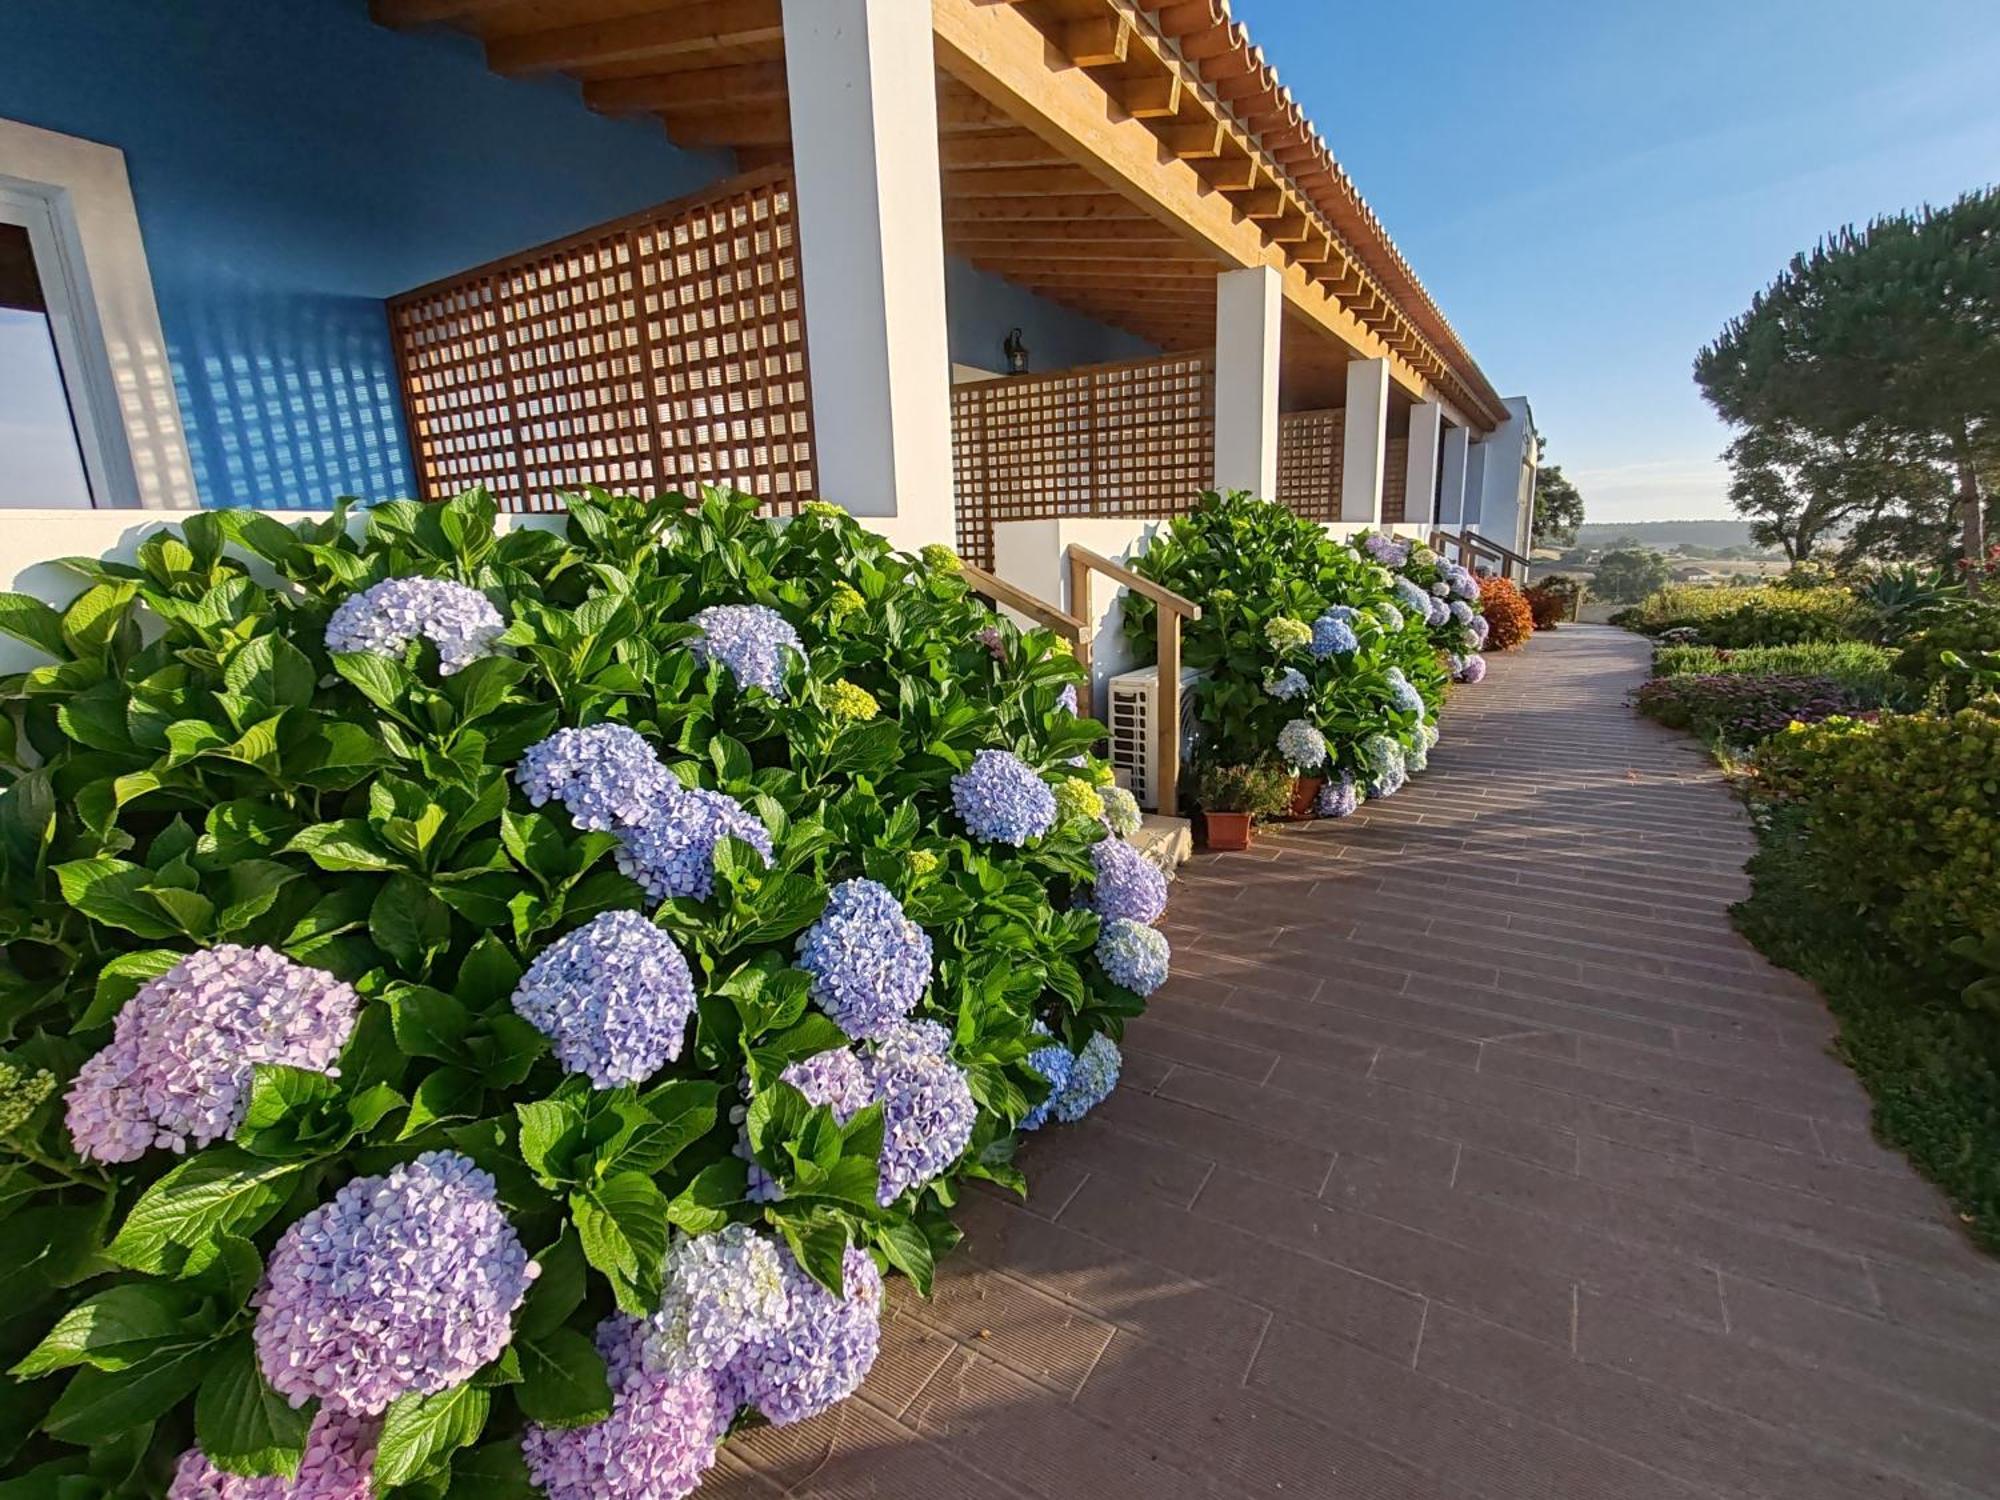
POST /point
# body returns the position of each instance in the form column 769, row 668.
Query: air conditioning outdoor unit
column 1134, row 709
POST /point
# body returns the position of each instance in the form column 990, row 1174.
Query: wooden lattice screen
column 1133, row 439
column 655, row 353
column 1309, row 455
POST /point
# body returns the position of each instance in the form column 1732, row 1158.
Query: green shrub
column 1764, row 616
column 1263, row 790
column 1902, row 820
column 1968, row 630
column 196, row 768
column 1263, row 577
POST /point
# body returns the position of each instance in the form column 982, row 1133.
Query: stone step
column 1165, row 841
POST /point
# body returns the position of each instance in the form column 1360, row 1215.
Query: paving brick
column 1306, row 1120
column 1041, row 1337
column 1212, row 1138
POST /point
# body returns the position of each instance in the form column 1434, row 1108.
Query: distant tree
column 1628, row 574
column 1558, row 504
column 1894, row 328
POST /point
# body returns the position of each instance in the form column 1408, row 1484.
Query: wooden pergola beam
column 698, row 26
column 676, row 91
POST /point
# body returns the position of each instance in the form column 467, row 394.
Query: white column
column 1475, row 485
column 1451, row 489
column 1249, row 305
column 1420, row 485
column 871, row 237
column 1364, row 441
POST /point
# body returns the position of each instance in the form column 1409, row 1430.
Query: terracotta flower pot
column 1305, row 792
column 1225, row 830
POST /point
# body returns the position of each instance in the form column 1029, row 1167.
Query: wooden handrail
column 1173, row 608
column 1043, row 613
column 1165, row 597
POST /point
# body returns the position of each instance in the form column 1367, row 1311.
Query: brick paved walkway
column 1469, row 1153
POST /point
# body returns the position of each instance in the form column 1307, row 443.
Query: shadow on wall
column 290, row 401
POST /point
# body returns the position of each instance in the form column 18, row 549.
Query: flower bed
column 1315, row 654
column 1763, row 616
column 1449, row 595
column 485, row 1012
column 1738, row 710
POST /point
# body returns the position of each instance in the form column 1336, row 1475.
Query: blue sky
column 1591, row 190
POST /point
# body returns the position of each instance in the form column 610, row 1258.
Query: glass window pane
column 41, row 463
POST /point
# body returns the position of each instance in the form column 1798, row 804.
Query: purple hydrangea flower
column 1472, row 668
column 1133, row 955
column 401, row 1283
column 1287, row 685
column 1127, row 884
column 606, row 776
column 839, row 1078
column 614, row 997
column 1066, row 699
column 1333, row 635
column 1053, row 1062
column 1091, row 1080
column 749, row 639
column 927, row 1107
column 822, row 1350
column 869, row 963
column 1463, row 583
column 1385, row 549
column 670, row 848
column 1461, row 611
column 461, row 622
column 1121, row 811
column 1481, row 628
column 1437, row 612
column 718, row 1292
column 1413, row 599
column 657, row 1443
column 1301, row 745
column 991, row 638
column 184, row 1048
column 338, row 1464
column 1002, row 800
column 1441, row 590
column 1338, row 799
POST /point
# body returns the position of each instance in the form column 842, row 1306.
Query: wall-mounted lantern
column 1016, row 350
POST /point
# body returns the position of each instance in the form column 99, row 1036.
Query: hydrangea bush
column 1311, row 647
column 481, row 1012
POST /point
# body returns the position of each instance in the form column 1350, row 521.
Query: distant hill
column 1664, row 535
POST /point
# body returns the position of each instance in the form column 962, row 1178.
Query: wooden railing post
column 1079, row 605
column 1167, row 636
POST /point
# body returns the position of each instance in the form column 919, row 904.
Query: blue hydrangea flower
column 1413, row 599
column 614, row 997
column 1338, row 799
column 669, row 849
column 1385, row 549
column 1301, row 745
column 1002, row 800
column 183, row 1051
column 718, row 1291
column 1481, row 627
column 1287, row 685
column 1127, row 885
column 1053, row 1062
column 659, row 1440
column 869, row 963
column 397, row 1284
column 927, row 1107
column 1333, row 635
column 1091, row 1080
column 1403, row 694
column 1133, row 955
column 1441, row 590
column 461, row 622
column 1461, row 611
column 1380, row 753
column 839, row 1078
column 1463, row 582
column 1121, row 811
column 820, row 1351
column 1066, row 699
column 749, row 639
column 606, row 776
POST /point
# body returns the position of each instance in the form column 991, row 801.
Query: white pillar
column 1420, row 484
column 1475, row 485
column 1364, row 441
column 871, row 237
column 1249, row 305
column 1451, row 488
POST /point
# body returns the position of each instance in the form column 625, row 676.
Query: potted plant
column 1232, row 796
